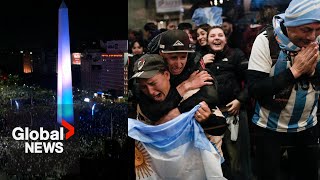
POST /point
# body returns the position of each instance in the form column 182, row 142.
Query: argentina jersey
column 300, row 111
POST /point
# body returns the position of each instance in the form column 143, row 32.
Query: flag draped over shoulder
column 177, row 149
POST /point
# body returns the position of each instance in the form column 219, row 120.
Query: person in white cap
column 287, row 92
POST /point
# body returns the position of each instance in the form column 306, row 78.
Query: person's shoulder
column 194, row 54
column 260, row 45
column 262, row 38
column 153, row 45
column 195, row 61
column 195, row 57
column 233, row 53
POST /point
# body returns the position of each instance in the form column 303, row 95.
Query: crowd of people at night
column 265, row 80
column 99, row 135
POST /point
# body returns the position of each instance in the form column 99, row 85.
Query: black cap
column 173, row 41
column 148, row 65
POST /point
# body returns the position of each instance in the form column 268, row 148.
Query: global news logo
column 43, row 141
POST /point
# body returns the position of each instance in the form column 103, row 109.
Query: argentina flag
column 177, row 149
column 208, row 15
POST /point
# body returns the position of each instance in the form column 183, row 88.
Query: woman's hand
column 234, row 107
column 217, row 112
column 208, row 58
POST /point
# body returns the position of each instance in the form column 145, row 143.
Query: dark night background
column 34, row 23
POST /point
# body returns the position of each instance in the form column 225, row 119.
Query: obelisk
column 64, row 89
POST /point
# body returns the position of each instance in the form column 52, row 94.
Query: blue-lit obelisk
column 64, row 90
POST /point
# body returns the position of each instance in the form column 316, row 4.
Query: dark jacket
column 207, row 93
column 229, row 68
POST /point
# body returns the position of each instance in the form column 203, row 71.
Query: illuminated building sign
column 76, row 58
column 112, row 55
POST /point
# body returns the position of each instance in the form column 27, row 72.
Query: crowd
column 98, row 137
column 264, row 81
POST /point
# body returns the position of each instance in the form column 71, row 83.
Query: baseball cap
column 173, row 41
column 300, row 12
column 148, row 65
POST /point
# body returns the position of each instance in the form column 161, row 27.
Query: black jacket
column 229, row 68
column 207, row 93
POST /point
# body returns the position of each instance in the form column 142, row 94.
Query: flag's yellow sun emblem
column 142, row 161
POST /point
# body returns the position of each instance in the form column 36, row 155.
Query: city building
column 27, row 62
column 102, row 69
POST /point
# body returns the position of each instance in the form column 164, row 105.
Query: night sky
column 34, row 23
